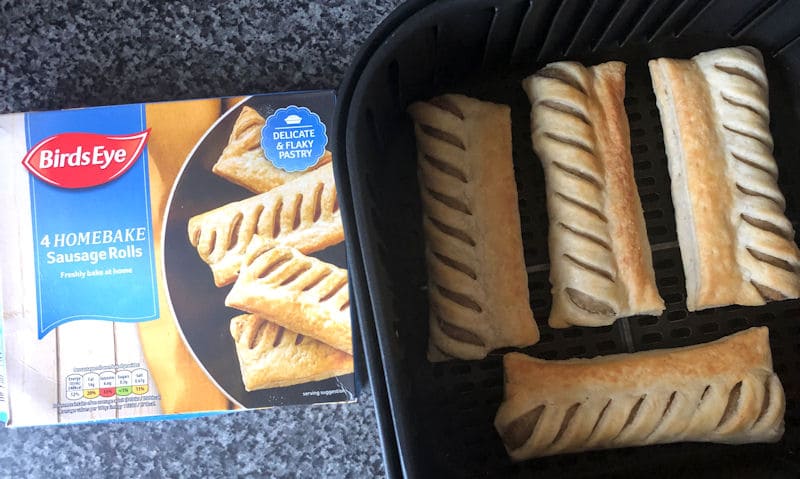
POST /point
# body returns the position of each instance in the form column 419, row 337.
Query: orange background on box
column 182, row 383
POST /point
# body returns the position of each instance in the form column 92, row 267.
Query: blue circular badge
column 294, row 138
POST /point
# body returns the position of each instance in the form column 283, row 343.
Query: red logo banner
column 83, row 160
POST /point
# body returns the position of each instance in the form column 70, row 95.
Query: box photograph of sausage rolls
column 172, row 258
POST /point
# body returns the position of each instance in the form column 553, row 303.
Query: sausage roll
column 724, row 391
column 601, row 266
column 477, row 283
column 737, row 245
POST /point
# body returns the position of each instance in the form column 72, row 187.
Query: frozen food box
column 173, row 258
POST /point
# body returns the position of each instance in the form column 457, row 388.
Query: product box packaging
column 171, row 258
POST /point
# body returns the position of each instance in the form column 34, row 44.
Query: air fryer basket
column 443, row 412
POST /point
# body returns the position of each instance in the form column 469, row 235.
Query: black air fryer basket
column 442, row 414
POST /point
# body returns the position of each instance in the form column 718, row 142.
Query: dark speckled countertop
column 62, row 54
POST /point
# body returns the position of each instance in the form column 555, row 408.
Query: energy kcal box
column 171, row 258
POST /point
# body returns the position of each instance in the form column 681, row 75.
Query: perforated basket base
column 444, row 412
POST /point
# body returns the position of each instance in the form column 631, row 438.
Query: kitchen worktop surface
column 65, row 54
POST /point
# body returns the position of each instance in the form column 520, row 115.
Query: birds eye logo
column 84, row 160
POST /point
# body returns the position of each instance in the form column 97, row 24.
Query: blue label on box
column 293, row 138
column 93, row 244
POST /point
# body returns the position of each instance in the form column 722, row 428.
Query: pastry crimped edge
column 243, row 161
column 477, row 283
column 723, row 391
column 737, row 245
column 601, row 265
column 303, row 214
column 299, row 292
column 272, row 356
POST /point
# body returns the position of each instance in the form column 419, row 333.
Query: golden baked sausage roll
column 724, row 391
column 243, row 161
column 736, row 243
column 477, row 283
column 272, row 356
column 302, row 214
column 601, row 266
column 300, row 293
